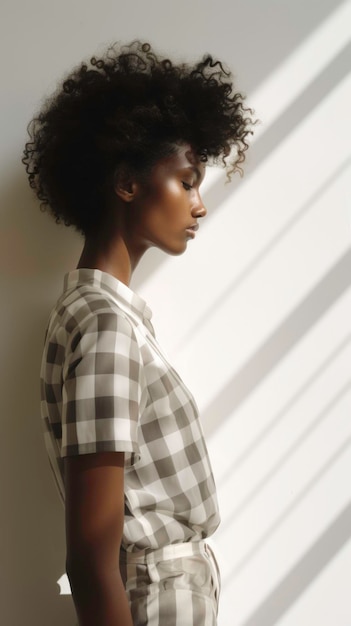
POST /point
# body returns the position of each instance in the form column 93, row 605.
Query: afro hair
column 129, row 109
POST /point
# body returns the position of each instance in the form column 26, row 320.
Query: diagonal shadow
column 264, row 252
column 284, row 125
column 279, row 343
column 322, row 85
column 240, row 509
column 250, row 449
column 285, row 40
column 281, row 518
column 306, row 570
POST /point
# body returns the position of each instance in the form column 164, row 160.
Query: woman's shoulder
column 85, row 308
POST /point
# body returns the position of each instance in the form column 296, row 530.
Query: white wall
column 255, row 315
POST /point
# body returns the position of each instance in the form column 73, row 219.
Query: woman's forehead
column 184, row 157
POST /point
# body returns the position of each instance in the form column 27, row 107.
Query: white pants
column 177, row 585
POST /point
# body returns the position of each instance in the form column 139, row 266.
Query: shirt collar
column 121, row 293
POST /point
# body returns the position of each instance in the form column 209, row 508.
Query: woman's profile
column 119, row 152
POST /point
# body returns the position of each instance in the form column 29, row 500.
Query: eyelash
column 186, row 185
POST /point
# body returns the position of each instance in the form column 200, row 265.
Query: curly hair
column 129, row 109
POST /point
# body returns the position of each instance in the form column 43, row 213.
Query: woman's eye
column 186, row 185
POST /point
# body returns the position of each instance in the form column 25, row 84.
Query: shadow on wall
column 333, row 285
column 293, row 585
column 301, row 496
column 32, row 542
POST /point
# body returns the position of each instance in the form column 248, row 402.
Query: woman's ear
column 125, row 185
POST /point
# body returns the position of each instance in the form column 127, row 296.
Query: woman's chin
column 174, row 249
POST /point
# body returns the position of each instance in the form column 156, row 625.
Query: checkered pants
column 177, row 585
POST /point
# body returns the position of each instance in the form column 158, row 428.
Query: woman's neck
column 112, row 257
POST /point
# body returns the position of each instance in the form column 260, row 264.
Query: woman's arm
column 94, row 485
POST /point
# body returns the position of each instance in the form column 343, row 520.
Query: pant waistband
column 171, row 551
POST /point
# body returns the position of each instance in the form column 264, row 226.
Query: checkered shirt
column 106, row 385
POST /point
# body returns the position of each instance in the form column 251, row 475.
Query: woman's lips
column 192, row 229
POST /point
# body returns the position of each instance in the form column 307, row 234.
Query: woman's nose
column 199, row 209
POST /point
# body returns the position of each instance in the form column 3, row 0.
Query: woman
column 120, row 152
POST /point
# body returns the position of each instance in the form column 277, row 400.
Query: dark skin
column 94, row 524
column 163, row 212
column 152, row 213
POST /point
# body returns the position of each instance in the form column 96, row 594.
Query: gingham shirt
column 106, row 385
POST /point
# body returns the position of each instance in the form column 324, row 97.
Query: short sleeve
column 103, row 389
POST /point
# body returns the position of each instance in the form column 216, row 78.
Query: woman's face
column 166, row 208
